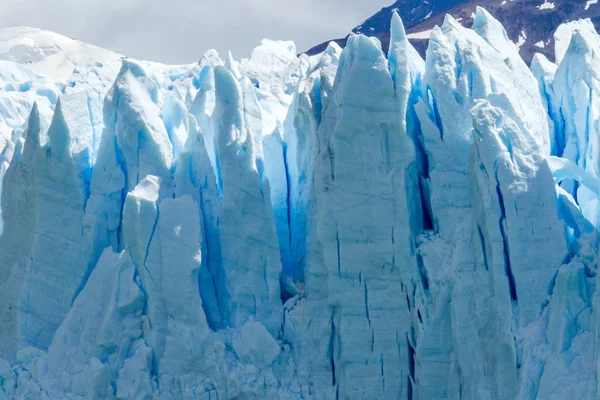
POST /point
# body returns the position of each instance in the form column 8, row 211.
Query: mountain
column 411, row 11
column 529, row 23
column 353, row 224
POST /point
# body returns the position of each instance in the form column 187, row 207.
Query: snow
column 522, row 39
column 20, row 88
column 361, row 223
column 49, row 53
column 420, row 35
column 546, row 6
column 564, row 33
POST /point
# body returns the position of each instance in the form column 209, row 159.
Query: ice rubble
column 354, row 224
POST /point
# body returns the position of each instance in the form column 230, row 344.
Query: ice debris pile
column 350, row 225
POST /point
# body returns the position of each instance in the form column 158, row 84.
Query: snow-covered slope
column 48, row 53
column 38, row 64
column 356, row 224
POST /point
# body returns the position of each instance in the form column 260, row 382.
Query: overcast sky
column 180, row 31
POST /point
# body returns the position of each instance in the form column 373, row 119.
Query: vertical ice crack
column 87, row 174
column 587, row 128
column 411, row 369
column 123, row 166
column 507, row 265
column 422, row 174
column 483, row 247
column 120, row 160
column 470, row 83
column 218, row 177
column 331, row 161
column 337, row 240
column 154, row 226
column 458, row 62
column 265, row 278
column 94, row 133
column 422, row 273
column 288, row 201
column 154, row 362
column 331, row 349
column 559, row 140
column 393, row 250
column 210, row 265
column 382, row 370
column 436, row 114
column 425, row 200
column 367, row 303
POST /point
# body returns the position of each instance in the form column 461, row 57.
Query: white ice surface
column 360, row 223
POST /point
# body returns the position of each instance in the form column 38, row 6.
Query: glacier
column 362, row 223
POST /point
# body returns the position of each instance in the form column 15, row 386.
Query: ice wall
column 358, row 224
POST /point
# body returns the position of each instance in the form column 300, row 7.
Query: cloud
column 179, row 31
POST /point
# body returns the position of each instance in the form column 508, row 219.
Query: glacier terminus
column 358, row 224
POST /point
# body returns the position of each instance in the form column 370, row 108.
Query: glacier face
column 356, row 224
